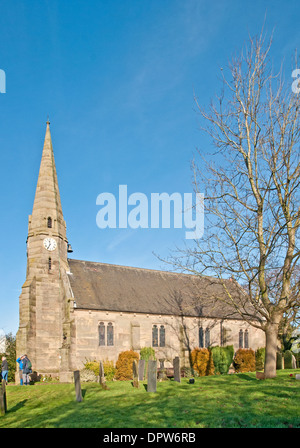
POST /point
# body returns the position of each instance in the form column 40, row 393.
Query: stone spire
column 47, row 202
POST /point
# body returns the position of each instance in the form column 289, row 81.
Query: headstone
column 77, row 385
column 176, row 365
column 294, row 364
column 152, row 376
column 102, row 376
column 3, row 404
column 297, row 376
column 162, row 371
column 135, row 373
column 141, row 369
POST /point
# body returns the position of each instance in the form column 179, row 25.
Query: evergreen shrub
column 202, row 361
column 278, row 361
column 260, row 358
column 244, row 360
column 288, row 356
column 222, row 358
column 124, row 369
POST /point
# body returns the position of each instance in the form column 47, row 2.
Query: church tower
column 44, row 317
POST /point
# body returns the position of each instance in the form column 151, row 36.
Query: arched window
column 49, row 223
column 162, row 336
column 101, row 333
column 49, row 263
column 207, row 337
column 241, row 339
column 201, row 345
column 154, row 336
column 110, row 334
column 246, row 339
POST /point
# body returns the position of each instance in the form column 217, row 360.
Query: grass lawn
column 231, row 401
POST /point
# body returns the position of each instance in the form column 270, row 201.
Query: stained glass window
column 110, row 334
column 246, row 339
column 241, row 339
column 101, row 333
column 154, row 336
column 162, row 336
column 207, row 337
column 201, row 337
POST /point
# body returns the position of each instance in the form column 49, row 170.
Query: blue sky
column 117, row 78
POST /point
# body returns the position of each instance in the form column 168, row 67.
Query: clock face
column 49, row 244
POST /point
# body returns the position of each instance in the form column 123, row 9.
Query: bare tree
column 252, row 212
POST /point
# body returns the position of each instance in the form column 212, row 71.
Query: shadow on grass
column 243, row 376
column 18, row 406
column 214, row 402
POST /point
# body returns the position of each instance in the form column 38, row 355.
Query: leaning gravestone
column 152, row 376
column 3, row 405
column 176, row 365
column 77, row 385
column 141, row 369
column 135, row 373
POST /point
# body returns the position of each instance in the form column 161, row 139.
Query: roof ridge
column 140, row 269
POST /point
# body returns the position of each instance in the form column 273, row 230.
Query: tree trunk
column 271, row 350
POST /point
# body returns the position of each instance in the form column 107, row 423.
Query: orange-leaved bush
column 202, row 361
column 244, row 360
column 124, row 369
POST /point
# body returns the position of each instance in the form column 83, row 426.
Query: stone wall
column 135, row 331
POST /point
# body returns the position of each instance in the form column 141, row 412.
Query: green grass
column 231, row 401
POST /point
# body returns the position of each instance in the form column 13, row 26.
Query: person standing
column 26, row 369
column 20, row 362
column 4, row 369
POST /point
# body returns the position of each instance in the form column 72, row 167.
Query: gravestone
column 141, row 369
column 3, row 404
column 77, row 385
column 162, row 371
column 102, row 376
column 297, row 376
column 176, row 365
column 135, row 373
column 152, row 376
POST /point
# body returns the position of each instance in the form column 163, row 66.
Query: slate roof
column 100, row 286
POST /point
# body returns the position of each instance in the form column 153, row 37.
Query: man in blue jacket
column 19, row 360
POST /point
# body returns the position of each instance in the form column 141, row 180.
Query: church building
column 75, row 310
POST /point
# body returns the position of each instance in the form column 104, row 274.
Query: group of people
column 25, row 369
